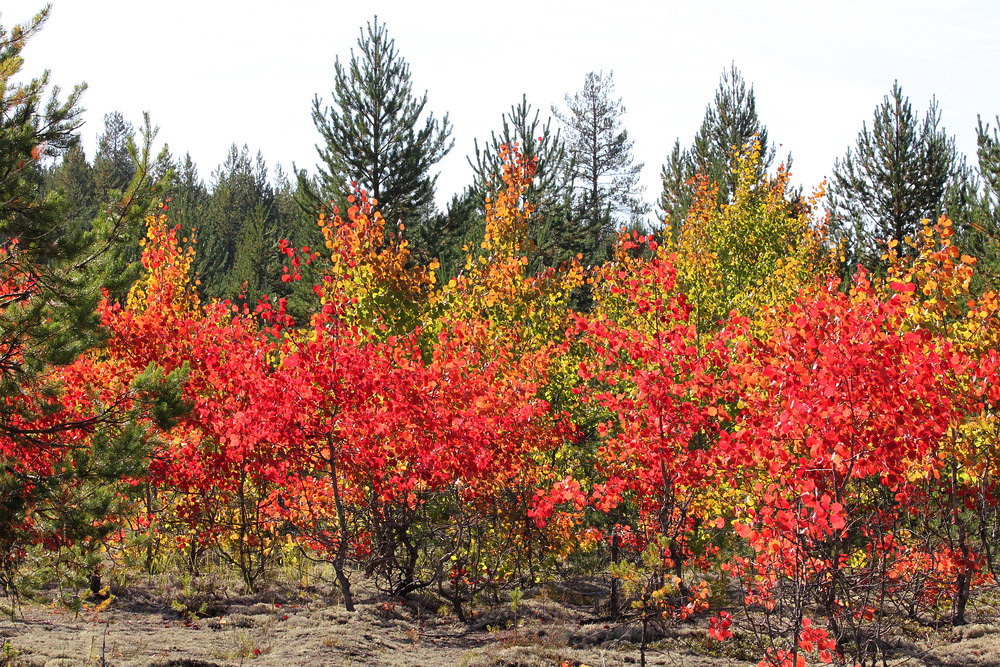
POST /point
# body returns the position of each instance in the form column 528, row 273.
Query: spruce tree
column 73, row 177
column 604, row 176
column 898, row 173
column 376, row 133
column 238, row 237
column 730, row 122
column 113, row 165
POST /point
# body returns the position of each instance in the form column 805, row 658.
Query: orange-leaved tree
column 212, row 479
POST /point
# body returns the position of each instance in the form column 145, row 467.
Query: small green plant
column 187, row 584
column 189, row 613
column 8, row 654
column 246, row 646
column 516, row 596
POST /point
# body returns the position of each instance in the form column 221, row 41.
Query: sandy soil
column 139, row 628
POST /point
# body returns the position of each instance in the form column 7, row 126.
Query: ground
column 285, row 626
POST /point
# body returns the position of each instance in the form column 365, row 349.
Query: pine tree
column 898, row 173
column 113, row 166
column 73, row 178
column 677, row 193
column 988, row 154
column 534, row 140
column 973, row 202
column 376, row 133
column 256, row 248
column 450, row 235
column 124, row 202
column 188, row 195
column 124, row 180
column 605, row 179
column 555, row 232
column 51, row 277
column 294, row 225
column 730, row 124
column 238, row 237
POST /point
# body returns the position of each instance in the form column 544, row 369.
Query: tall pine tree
column 376, row 133
column 604, row 175
column 730, row 123
column 555, row 230
column 52, row 274
column 898, row 173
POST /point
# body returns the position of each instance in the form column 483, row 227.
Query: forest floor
column 147, row 624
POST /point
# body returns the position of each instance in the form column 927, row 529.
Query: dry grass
column 181, row 622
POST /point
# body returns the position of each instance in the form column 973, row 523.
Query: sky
column 212, row 73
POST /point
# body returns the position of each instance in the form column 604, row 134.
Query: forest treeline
column 377, row 134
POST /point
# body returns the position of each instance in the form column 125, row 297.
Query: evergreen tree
column 677, row 193
column 52, row 276
column 555, row 233
column 605, row 179
column 127, row 203
column 256, row 254
column 113, row 166
column 523, row 128
column 988, row 154
column 188, row 195
column 294, row 224
column 299, row 228
column 898, row 173
column 730, row 123
column 973, row 202
column 73, row 177
column 376, row 133
column 450, row 235
column 124, row 181
column 238, row 238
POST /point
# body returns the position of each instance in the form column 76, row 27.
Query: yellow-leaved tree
column 756, row 250
column 496, row 284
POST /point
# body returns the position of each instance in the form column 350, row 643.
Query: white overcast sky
column 217, row 72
